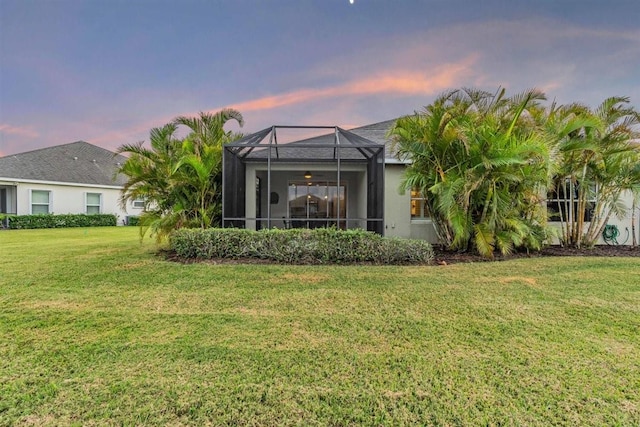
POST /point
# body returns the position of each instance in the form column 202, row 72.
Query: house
column 345, row 178
column 75, row 178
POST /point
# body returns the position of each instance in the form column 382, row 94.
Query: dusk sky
column 107, row 71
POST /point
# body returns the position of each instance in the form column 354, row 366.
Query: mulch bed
column 443, row 257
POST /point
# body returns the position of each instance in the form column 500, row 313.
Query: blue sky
column 107, row 71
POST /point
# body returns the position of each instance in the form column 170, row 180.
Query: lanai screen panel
column 336, row 146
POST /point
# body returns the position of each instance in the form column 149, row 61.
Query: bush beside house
column 299, row 246
column 17, row 222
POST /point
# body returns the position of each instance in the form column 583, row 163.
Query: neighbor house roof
column 77, row 162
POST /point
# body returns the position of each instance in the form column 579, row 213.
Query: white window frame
column 87, row 205
column 48, row 204
column 138, row 204
column 418, row 208
column 341, row 192
column 563, row 200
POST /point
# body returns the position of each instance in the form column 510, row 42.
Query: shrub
column 17, row 222
column 133, row 220
column 299, row 246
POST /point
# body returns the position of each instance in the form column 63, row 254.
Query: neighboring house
column 76, row 178
column 349, row 179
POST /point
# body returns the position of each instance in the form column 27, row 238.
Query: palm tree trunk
column 573, row 214
column 582, row 203
column 634, row 209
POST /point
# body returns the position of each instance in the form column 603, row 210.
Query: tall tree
column 597, row 162
column 481, row 163
column 179, row 178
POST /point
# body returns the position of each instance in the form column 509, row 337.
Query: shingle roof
column 377, row 132
column 77, row 162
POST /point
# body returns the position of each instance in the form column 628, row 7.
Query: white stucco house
column 74, row 178
column 345, row 178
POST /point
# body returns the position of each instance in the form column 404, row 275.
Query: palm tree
column 480, row 162
column 202, row 162
column 179, row 179
column 596, row 164
column 150, row 173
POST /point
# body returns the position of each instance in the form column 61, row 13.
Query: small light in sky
column 351, row 1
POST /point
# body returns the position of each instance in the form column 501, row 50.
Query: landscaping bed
column 444, row 257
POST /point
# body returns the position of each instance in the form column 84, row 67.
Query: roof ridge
column 52, row 146
column 374, row 124
column 77, row 162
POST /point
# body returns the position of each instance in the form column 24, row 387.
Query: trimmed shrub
column 133, row 220
column 18, row 222
column 299, row 246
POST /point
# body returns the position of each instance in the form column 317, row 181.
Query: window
column 316, row 204
column 559, row 202
column 93, row 203
column 138, row 204
column 418, row 205
column 40, row 201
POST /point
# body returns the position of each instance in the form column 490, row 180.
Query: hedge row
column 59, row 221
column 299, row 246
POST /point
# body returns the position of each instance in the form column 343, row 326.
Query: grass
column 97, row 330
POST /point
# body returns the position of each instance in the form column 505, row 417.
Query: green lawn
column 95, row 329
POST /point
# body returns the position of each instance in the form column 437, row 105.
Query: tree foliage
column 598, row 159
column 481, row 165
column 179, row 178
column 485, row 162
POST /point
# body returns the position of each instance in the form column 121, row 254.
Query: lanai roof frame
column 342, row 146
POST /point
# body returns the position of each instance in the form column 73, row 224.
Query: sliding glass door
column 316, row 204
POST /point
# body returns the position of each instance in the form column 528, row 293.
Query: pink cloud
column 18, row 131
column 394, row 82
column 398, row 82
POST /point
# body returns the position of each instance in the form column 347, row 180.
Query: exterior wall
column 68, row 198
column 623, row 224
column 354, row 175
column 397, row 210
column 398, row 220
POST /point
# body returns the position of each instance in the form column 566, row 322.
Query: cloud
column 537, row 52
column 404, row 73
column 15, row 138
column 25, row 132
column 392, row 83
column 379, row 81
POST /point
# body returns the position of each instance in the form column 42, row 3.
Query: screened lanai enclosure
column 303, row 177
